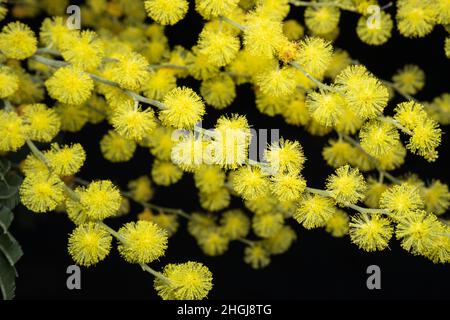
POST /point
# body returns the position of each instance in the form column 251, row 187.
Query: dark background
column 316, row 267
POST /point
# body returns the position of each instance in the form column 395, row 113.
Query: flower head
column 376, row 32
column 166, row 12
column 250, row 182
column 66, row 160
column 12, row 130
column 220, row 47
column 256, row 256
column 41, row 192
column 378, row 138
column 100, row 200
column 401, row 199
column 370, row 232
column 84, row 50
column 214, row 8
column 129, row 70
column 234, row 224
column 286, row 156
column 267, row 224
column 165, row 173
column 17, row 41
column 338, row 224
column 116, row 148
column 347, row 185
column 314, row 211
column 410, row 79
column 218, row 91
column 9, row 82
column 133, row 123
column 43, row 122
column 322, row 20
column 183, row 108
column 314, row 55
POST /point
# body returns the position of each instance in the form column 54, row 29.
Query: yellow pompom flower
column 234, row 224
column 215, row 8
column 54, row 32
column 338, row 153
column 142, row 242
column 339, row 61
column 392, row 160
column 250, row 182
column 116, row 148
column 256, row 256
column 160, row 142
column 141, row 189
column 166, row 12
column 219, row 91
column 295, row 111
column 187, row 281
column 159, row 83
column 267, row 224
column 425, row 139
column 268, row 104
column 190, row 153
column 410, row 114
column 84, row 50
column 9, row 82
column 436, row 197
column 41, row 192
column 322, row 20
column 293, row 29
column 183, row 108
column 17, row 41
column 75, row 210
column 66, row 161
column 213, row 243
column 375, row 31
column 89, row 244
column 347, row 186
column 129, row 70
column 32, row 165
column 439, row 109
column 281, row 241
column 165, row 173
column 415, row 18
column 447, row 47
column 285, row 156
column 288, row 187
column 215, row 200
column 72, row 117
column 442, row 9
column 401, row 199
column 410, row 79
column 325, row 107
column 338, row 224
column 44, row 123
column 100, row 200
column 220, row 47
column 370, row 232
column 314, row 211
column 378, row 138
column 133, row 123
column 265, row 203
column 262, row 36
column 12, row 130
column 374, row 191
column 277, row 82
column 314, row 55
column 70, row 85
column 417, row 232
column 209, row 178
column 167, row 221
column 198, row 65
column 365, row 94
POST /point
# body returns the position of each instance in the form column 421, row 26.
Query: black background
column 316, row 267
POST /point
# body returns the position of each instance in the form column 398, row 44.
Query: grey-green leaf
column 7, row 278
column 6, row 217
column 10, row 248
column 11, row 187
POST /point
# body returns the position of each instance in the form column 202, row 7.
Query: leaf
column 11, row 187
column 10, row 203
column 6, row 217
column 5, row 165
column 7, row 278
column 10, row 248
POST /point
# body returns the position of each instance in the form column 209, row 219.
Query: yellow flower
column 338, row 153
column 84, row 50
column 219, row 47
column 410, row 79
column 12, row 130
column 214, row 8
column 436, row 197
column 213, row 243
column 209, row 178
column 159, row 84
column 378, row 138
column 267, row 224
column 339, row 61
column 129, row 70
column 198, row 65
column 377, row 31
column 72, row 117
column 256, row 256
column 160, row 142
column 143, row 242
column 66, row 161
column 374, row 191
column 54, row 32
column 415, row 18
column 215, row 200
column 277, row 82
column 234, row 224
column 43, row 122
column 370, row 232
column 250, row 182
column 70, row 85
column 295, row 111
column 325, row 107
column 314, row 211
column 116, row 148
column 190, row 153
column 315, row 55
column 183, row 108
column 410, row 114
column 133, row 123
column 166, row 12
column 165, row 173
column 347, row 185
column 288, row 187
column 9, row 82
column 141, row 189
column 286, row 156
column 218, row 91
column 89, row 244
column 425, row 139
column 293, row 29
column 401, row 199
column 186, row 281
column 281, row 241
column 338, row 224
column 100, row 200
column 322, row 20
column 17, row 41
column 41, row 192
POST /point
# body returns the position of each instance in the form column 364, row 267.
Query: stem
column 320, row 4
column 49, row 62
column 153, row 67
column 396, row 124
column 399, row 91
column 49, row 51
column 155, row 273
column 233, row 23
column 319, row 83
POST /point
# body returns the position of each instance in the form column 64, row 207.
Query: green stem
column 319, row 83
column 233, row 23
column 320, row 4
column 153, row 67
column 155, row 273
column 399, row 91
column 396, row 124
